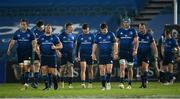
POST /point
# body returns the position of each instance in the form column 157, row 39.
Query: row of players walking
column 42, row 50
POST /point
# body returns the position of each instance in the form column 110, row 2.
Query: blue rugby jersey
column 126, row 38
column 46, row 42
column 68, row 42
column 24, row 40
column 145, row 42
column 38, row 33
column 85, row 43
column 105, row 43
column 169, row 45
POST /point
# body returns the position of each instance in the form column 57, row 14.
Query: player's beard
column 143, row 32
column 23, row 29
column 48, row 33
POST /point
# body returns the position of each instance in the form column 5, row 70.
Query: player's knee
column 83, row 68
column 122, row 68
column 102, row 71
column 109, row 71
column 90, row 70
column 170, row 69
column 54, row 72
column 26, row 68
column 165, row 69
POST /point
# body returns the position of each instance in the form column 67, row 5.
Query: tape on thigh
column 122, row 61
column 27, row 62
column 130, row 64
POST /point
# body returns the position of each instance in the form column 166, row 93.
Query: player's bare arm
column 38, row 50
column 115, row 50
column 11, row 44
column 34, row 44
column 57, row 46
column 77, row 51
column 154, row 48
column 178, row 50
column 162, row 50
column 136, row 45
column 94, row 51
column 59, row 54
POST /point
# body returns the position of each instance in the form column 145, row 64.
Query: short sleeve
column 56, row 40
column 15, row 37
column 135, row 34
column 96, row 39
column 60, row 37
column 117, row 33
column 113, row 37
column 93, row 38
column 32, row 35
column 151, row 38
column 39, row 40
column 78, row 40
column 175, row 43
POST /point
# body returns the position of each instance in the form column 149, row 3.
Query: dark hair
column 68, row 24
column 142, row 24
column 39, row 23
column 167, row 31
column 24, row 20
column 85, row 26
column 103, row 26
column 48, row 25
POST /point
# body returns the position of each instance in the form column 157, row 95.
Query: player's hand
column 8, row 52
column 77, row 59
column 93, row 57
column 134, row 52
column 53, row 47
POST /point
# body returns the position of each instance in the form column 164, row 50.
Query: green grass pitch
column 154, row 89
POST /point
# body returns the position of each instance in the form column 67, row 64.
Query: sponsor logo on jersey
column 108, row 37
column 131, row 33
column 51, row 38
column 28, row 35
column 18, row 35
column 89, row 38
column 147, row 37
